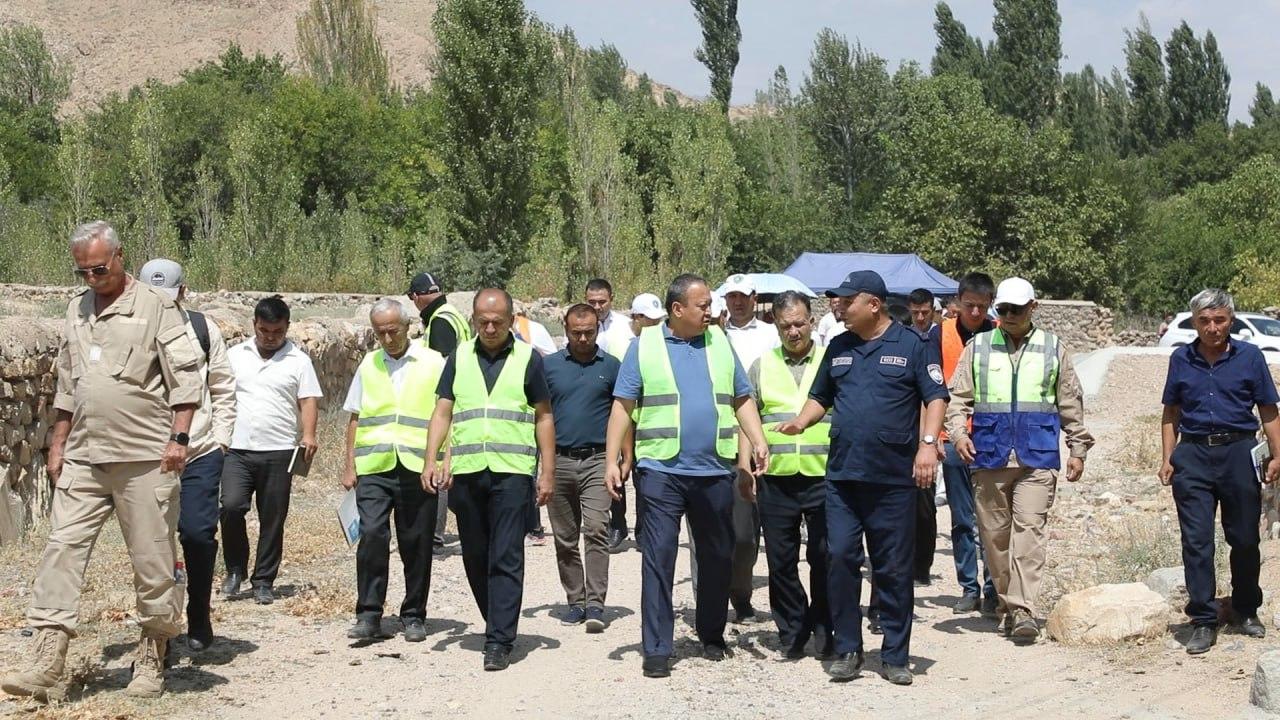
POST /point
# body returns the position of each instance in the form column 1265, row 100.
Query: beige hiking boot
column 148, row 667
column 46, row 679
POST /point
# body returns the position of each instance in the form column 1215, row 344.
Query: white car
column 1253, row 328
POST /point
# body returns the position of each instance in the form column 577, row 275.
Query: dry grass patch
column 326, row 598
column 1140, row 445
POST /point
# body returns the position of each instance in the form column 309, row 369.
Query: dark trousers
column 886, row 515
column 379, row 497
column 491, row 509
column 1205, row 477
column 926, row 533
column 198, row 531
column 784, row 501
column 264, row 474
column 966, row 547
column 709, row 503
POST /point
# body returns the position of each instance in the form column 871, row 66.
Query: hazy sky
column 660, row 36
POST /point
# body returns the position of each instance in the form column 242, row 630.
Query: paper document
column 1261, row 453
column 349, row 517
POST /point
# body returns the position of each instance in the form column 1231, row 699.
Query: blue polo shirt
column 698, row 418
column 876, row 388
column 1221, row 397
column 581, row 396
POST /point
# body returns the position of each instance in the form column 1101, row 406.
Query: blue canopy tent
column 901, row 273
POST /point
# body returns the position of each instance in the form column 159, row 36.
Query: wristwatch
column 180, row 438
column 929, row 440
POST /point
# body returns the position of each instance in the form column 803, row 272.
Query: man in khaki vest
column 128, row 386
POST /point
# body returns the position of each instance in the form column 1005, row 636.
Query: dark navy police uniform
column 1212, row 466
column 876, row 389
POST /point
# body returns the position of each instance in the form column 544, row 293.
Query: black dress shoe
column 846, row 667
column 263, row 595
column 795, row 650
column 366, row 629
column 1203, row 637
column 966, row 604
column 744, row 612
column 1253, row 627
column 657, row 666
column 231, row 586
column 199, row 635
column 714, row 652
column 990, row 603
column 897, row 674
column 414, row 630
column 615, row 540
column 496, row 657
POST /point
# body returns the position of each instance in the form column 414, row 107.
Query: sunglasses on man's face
column 96, row 270
column 1003, row 310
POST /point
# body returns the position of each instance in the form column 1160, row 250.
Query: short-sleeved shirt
column 1220, row 398
column 615, row 334
column 876, row 388
column 752, row 340
column 535, row 378
column 581, row 396
column 121, row 372
column 267, row 395
column 395, row 368
column 698, row 416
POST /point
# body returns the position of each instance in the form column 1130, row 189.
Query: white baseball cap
column 1014, row 291
column 738, row 283
column 718, row 305
column 164, row 275
column 648, row 305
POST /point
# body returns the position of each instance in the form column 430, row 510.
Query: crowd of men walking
column 823, row 438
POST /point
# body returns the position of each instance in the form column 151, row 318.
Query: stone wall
column 1084, row 326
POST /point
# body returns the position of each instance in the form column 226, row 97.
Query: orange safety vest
column 952, row 346
column 522, row 327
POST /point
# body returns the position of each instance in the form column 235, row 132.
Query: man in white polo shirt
column 750, row 336
column 276, row 391
column 615, row 334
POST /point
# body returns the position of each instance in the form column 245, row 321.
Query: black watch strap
column 181, row 438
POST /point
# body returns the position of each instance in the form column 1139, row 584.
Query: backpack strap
column 200, row 324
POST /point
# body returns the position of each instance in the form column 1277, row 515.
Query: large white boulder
column 1266, row 682
column 1107, row 614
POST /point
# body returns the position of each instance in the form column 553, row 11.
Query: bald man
column 495, row 409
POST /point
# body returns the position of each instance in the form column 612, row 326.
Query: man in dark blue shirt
column 581, row 379
column 1209, row 396
column 876, row 377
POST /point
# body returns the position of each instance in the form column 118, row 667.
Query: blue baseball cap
column 860, row 281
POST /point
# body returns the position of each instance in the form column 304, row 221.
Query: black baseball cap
column 424, row 283
column 860, row 281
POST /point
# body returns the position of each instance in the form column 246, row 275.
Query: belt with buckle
column 580, row 453
column 1216, row 439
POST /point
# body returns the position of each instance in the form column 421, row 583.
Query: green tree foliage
column 606, row 74
column 1263, row 109
column 721, row 36
column 957, row 53
column 1198, row 82
column 1217, row 83
column 848, row 103
column 31, row 77
column 1083, row 110
column 488, row 76
column 338, row 43
column 1024, row 59
column 1149, row 117
column 973, row 189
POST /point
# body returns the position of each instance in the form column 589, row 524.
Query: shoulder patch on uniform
column 893, row 360
column 844, row 360
column 935, row 372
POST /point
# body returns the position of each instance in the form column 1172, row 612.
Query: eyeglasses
column 96, row 270
column 1003, row 310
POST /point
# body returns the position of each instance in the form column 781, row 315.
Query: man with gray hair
column 1207, row 432
column 128, row 385
column 391, row 399
column 210, row 437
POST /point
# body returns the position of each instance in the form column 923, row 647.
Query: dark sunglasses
column 98, row 270
column 1003, row 310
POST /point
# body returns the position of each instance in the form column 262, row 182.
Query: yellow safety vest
column 658, row 424
column 392, row 426
column 454, row 317
column 492, row 429
column 781, row 399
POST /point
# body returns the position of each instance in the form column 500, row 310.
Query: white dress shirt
column 395, row 367
column 615, row 334
column 752, row 340
column 828, row 328
column 267, row 395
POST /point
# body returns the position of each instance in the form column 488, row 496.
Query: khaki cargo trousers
column 146, row 503
column 1013, row 511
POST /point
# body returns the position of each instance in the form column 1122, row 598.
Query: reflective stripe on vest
column 492, row 429
column 1015, row 407
column 781, row 399
column 393, row 425
column 450, row 314
column 658, row 419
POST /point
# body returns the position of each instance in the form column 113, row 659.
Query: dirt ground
column 292, row 659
